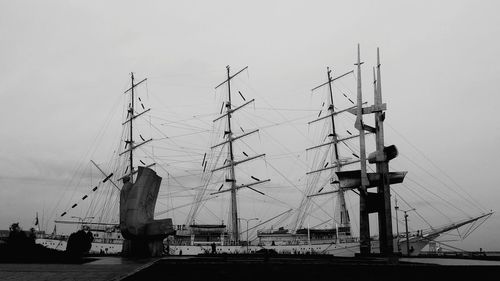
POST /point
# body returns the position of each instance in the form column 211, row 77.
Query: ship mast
column 335, row 160
column 344, row 217
column 131, row 136
column 130, row 143
column 230, row 138
column 331, row 109
column 129, row 146
column 232, row 176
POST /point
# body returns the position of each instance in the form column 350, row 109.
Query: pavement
column 452, row 262
column 256, row 267
column 99, row 269
column 317, row 268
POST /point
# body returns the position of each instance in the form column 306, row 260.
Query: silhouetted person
column 17, row 237
column 32, row 236
column 19, row 244
column 214, row 248
column 80, row 242
column 90, row 237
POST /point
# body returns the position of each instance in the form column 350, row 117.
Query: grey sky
column 64, row 65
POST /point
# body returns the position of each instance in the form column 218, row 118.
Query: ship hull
column 96, row 248
column 348, row 249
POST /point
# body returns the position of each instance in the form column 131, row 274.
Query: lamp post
column 407, row 236
column 397, row 222
column 247, row 220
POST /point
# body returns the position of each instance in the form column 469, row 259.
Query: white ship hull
column 348, row 249
column 98, row 247
column 336, row 249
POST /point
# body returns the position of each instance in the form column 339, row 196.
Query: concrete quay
column 96, row 269
column 253, row 267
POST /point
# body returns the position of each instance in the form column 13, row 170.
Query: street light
column 407, row 236
column 247, row 220
column 397, row 222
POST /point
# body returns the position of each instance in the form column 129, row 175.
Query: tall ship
column 99, row 205
column 334, row 235
column 232, row 173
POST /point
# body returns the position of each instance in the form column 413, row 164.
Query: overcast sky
column 65, row 64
